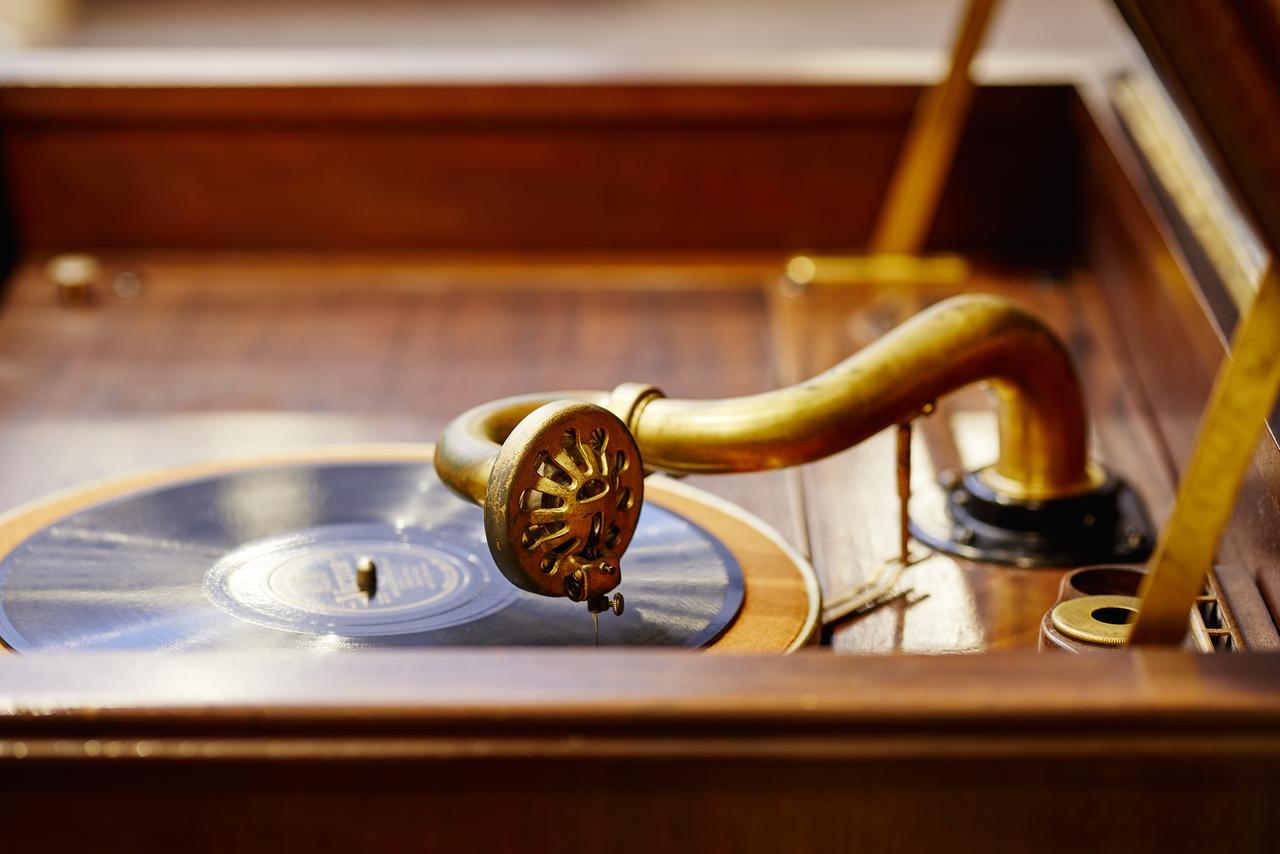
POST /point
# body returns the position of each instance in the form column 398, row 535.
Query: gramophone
column 569, row 603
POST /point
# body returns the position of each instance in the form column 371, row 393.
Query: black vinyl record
column 266, row 558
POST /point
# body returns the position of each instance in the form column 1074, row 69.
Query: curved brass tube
column 964, row 340
column 470, row 443
column 967, row 339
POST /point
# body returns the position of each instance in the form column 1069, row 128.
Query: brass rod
column 1242, row 396
column 904, row 491
column 918, row 179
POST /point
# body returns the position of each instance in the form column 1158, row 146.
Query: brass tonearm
column 560, row 476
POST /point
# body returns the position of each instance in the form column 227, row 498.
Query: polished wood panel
column 540, row 698
column 1124, row 751
column 483, row 168
column 1220, row 60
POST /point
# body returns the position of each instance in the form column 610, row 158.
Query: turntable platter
column 266, row 555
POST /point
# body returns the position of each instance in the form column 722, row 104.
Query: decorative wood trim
column 608, row 703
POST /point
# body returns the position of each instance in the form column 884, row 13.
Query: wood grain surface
column 1008, row 751
column 1233, row 106
column 516, row 167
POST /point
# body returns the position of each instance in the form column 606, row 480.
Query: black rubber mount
column 1106, row 525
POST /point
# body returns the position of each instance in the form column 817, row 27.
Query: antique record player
column 905, row 478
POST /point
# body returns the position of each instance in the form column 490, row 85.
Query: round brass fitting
column 1103, row 620
column 563, row 500
column 1104, row 523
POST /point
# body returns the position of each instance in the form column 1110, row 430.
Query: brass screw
column 367, row 576
column 616, row 604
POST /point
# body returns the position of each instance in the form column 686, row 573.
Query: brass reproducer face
column 564, row 499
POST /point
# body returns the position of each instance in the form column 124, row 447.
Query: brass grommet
column 1102, row 620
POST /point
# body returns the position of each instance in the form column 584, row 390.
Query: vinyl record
column 266, row 558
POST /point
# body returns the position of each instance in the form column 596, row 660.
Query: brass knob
column 74, row 275
column 600, row 604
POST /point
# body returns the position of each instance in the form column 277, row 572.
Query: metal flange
column 1106, row 524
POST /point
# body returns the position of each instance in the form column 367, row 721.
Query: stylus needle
column 595, row 624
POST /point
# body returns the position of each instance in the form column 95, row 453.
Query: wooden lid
column 1221, row 63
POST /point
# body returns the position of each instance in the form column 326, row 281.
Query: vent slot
column 1212, row 627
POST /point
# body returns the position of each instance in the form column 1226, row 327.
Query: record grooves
column 266, row 559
